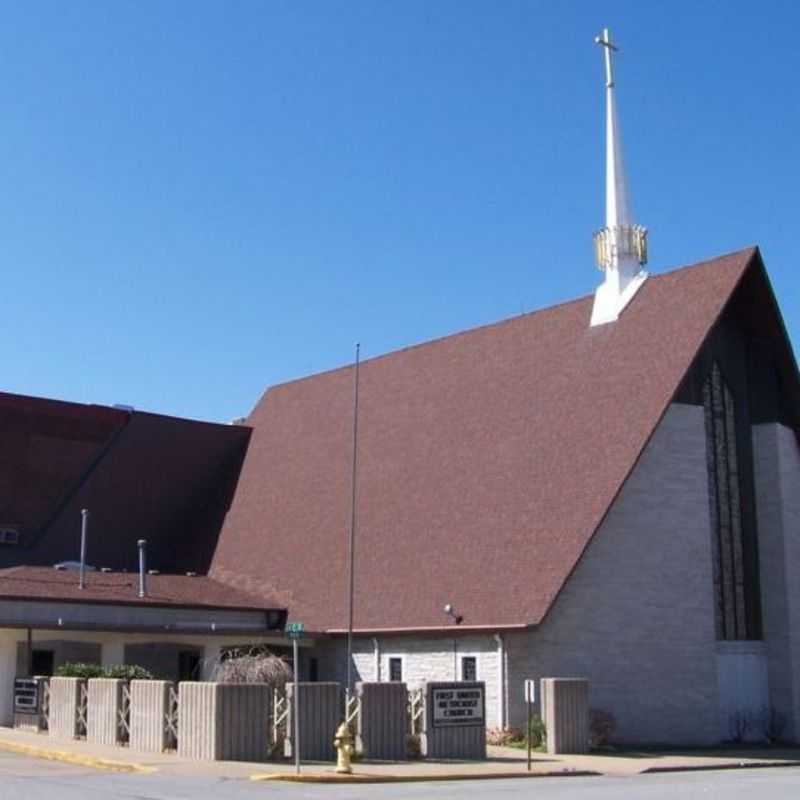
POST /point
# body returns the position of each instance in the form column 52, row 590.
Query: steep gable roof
column 166, row 479
column 487, row 460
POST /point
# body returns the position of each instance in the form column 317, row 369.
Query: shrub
column 128, row 672
column 602, row 725
column 79, row 670
column 504, row 737
column 537, row 732
column 413, row 747
column 514, row 737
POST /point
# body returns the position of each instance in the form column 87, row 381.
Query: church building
column 608, row 488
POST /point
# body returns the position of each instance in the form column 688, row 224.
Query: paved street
column 23, row 778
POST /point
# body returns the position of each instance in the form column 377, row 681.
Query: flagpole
column 352, row 535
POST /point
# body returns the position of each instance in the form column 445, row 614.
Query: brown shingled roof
column 487, row 460
column 46, row 583
column 170, row 480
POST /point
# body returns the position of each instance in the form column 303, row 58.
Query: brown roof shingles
column 46, row 583
column 487, row 460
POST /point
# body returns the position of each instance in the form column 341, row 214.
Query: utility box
column 30, row 710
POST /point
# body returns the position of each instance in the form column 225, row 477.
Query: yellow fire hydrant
column 343, row 742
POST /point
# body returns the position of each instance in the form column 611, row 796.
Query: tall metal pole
column 84, row 535
column 142, row 544
column 529, row 703
column 296, row 710
column 352, row 537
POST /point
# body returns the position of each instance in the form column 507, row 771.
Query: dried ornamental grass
column 253, row 667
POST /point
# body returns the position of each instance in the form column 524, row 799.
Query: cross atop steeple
column 621, row 247
column 605, row 41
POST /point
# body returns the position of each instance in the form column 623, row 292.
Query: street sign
column 294, row 630
column 530, row 691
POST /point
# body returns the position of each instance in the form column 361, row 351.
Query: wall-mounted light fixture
column 457, row 618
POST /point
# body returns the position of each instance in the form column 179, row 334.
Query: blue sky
column 198, row 200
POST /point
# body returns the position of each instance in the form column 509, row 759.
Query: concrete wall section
column 224, row 721
column 636, row 618
column 8, row 671
column 566, row 714
column 383, row 721
column 321, row 707
column 149, row 708
column 777, row 477
column 103, row 712
column 65, row 694
column 198, row 732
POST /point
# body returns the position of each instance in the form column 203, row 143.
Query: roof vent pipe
column 142, row 567
column 84, row 536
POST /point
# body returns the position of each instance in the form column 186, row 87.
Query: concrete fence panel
column 566, row 715
column 224, row 721
column 321, row 708
column 383, row 720
column 150, row 705
column 65, row 699
column 103, row 711
column 455, row 720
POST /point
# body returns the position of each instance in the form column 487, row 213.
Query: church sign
column 457, row 704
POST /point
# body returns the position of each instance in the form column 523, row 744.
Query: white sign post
column 530, row 699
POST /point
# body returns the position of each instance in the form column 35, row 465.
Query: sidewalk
column 501, row 763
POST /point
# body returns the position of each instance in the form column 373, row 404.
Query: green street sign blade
column 294, row 630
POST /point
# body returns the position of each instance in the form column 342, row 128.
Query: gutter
column 447, row 629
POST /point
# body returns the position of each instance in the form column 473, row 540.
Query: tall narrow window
column 469, row 668
column 395, row 669
column 726, row 509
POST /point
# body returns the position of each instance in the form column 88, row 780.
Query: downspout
column 376, row 645
column 501, row 681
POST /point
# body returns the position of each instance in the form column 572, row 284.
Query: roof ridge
column 751, row 249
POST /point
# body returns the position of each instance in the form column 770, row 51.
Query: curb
column 332, row 777
column 73, row 758
column 719, row 767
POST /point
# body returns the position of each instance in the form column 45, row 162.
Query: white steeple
column 621, row 247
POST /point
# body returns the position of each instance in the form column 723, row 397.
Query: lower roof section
column 59, row 615
column 42, row 597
